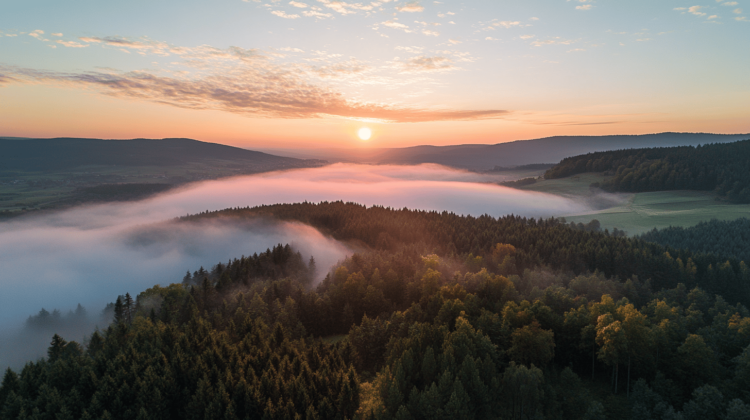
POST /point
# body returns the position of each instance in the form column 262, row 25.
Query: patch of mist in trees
column 30, row 340
column 89, row 254
column 600, row 199
column 56, row 265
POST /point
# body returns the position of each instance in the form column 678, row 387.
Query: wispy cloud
column 424, row 64
column 587, row 4
column 142, row 46
column 71, row 44
column 282, row 14
column 507, row 24
column 412, row 49
column 316, row 14
column 396, row 25
column 258, row 92
column 696, row 10
column 552, row 41
column 345, row 8
column 38, row 34
column 410, row 7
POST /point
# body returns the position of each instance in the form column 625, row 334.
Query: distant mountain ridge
column 62, row 153
column 520, row 152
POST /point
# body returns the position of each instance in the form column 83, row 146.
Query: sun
column 364, row 133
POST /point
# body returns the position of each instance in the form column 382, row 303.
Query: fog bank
column 90, row 255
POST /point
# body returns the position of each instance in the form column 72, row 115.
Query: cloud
column 696, row 10
column 343, row 69
column 283, row 14
column 143, row 45
column 737, row 11
column 38, row 34
column 71, row 44
column 265, row 91
column 454, row 41
column 424, row 64
column 298, row 4
column 584, row 7
column 507, row 24
column 57, row 34
column 396, row 25
column 430, row 33
column 412, row 50
column 553, row 41
column 410, row 7
column 345, row 8
column 316, row 14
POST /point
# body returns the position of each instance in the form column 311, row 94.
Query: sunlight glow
column 364, row 133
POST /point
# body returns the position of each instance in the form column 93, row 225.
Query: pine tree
column 129, row 308
column 119, row 311
column 9, row 384
column 57, row 348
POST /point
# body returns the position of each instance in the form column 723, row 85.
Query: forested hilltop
column 441, row 317
column 722, row 168
column 721, row 237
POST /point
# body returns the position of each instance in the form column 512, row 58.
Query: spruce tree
column 119, row 311
column 129, row 308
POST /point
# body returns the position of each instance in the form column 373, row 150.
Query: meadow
column 636, row 213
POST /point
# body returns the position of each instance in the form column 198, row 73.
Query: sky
column 311, row 73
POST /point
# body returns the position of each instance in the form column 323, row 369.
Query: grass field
column 640, row 212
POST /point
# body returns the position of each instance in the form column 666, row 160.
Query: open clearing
column 640, row 212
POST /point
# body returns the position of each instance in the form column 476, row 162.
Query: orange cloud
column 255, row 92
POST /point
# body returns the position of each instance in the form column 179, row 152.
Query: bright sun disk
column 364, row 133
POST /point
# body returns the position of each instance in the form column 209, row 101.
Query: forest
column 730, row 238
column 437, row 316
column 720, row 168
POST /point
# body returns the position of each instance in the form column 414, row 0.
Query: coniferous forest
column 721, row 168
column 437, row 316
column 721, row 237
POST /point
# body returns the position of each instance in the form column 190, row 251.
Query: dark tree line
column 722, row 168
column 441, row 317
column 537, row 242
column 727, row 238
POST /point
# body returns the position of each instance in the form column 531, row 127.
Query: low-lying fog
column 90, row 255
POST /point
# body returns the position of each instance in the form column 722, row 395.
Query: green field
column 640, row 212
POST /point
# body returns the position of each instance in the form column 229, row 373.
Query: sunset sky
column 311, row 73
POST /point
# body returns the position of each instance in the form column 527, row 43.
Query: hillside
column 482, row 157
column 720, row 168
column 66, row 153
column 42, row 174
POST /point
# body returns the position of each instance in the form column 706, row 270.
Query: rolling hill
column 66, row 153
column 482, row 157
